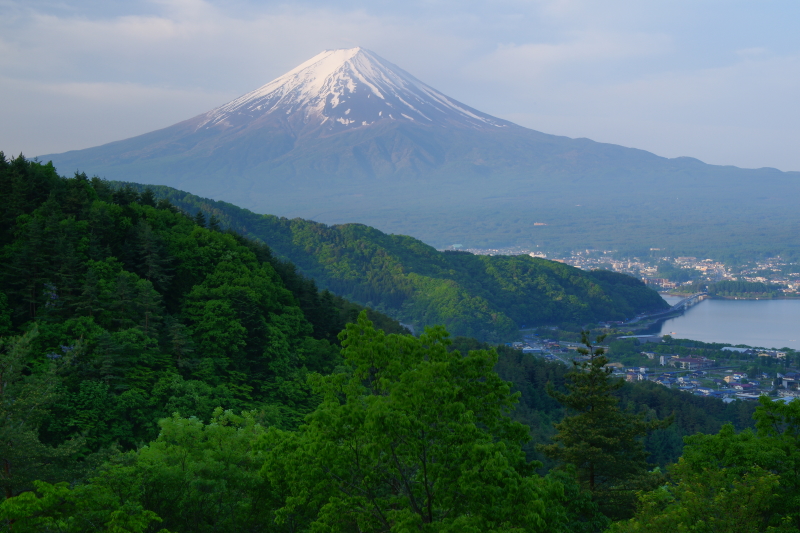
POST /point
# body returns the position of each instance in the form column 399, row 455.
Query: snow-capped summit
column 350, row 137
column 344, row 89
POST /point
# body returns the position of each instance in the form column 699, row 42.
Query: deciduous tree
column 411, row 437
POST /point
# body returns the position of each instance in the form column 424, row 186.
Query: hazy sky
column 716, row 80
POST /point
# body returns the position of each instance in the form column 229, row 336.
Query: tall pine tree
column 603, row 442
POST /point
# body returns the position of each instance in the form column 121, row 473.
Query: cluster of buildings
column 683, row 363
column 788, row 385
column 727, row 384
column 511, row 250
column 533, row 345
column 706, row 380
column 702, row 383
column 644, row 269
column 773, row 270
column 774, row 354
column 696, row 375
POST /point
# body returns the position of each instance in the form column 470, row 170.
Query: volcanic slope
column 349, row 137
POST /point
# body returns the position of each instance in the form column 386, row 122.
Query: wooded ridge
column 487, row 297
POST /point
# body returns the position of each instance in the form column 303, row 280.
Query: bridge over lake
column 689, row 301
column 679, row 307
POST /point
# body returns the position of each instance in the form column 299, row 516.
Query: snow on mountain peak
column 346, row 88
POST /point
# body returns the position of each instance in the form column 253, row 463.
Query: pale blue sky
column 716, row 80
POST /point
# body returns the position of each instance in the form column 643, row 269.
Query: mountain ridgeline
column 486, row 297
column 349, row 137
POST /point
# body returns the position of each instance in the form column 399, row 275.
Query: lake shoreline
column 770, row 323
column 716, row 297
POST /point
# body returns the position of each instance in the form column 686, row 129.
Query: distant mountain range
column 485, row 297
column 349, row 137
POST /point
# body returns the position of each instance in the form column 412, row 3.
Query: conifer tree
column 180, row 342
column 24, row 398
column 165, row 204
column 153, row 262
column 148, row 302
column 126, row 195
column 123, row 300
column 603, row 442
column 200, row 219
column 5, row 315
column 213, row 223
column 148, row 197
column 89, row 302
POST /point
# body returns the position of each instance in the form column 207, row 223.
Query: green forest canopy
column 729, row 288
column 149, row 313
column 488, row 297
column 157, row 374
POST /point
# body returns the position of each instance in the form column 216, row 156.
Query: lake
column 766, row 323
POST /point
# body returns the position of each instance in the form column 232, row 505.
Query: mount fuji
column 350, row 137
column 345, row 89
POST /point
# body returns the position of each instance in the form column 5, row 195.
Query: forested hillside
column 478, row 296
column 160, row 375
column 143, row 312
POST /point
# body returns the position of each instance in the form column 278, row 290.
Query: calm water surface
column 767, row 323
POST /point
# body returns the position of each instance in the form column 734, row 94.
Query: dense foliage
column 487, row 297
column 731, row 482
column 413, row 437
column 408, row 437
column 741, row 289
column 129, row 311
column 159, row 374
